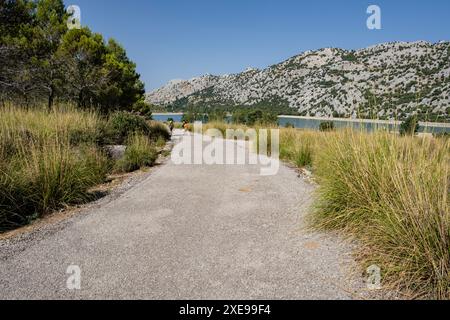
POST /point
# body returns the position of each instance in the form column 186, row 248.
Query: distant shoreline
column 385, row 122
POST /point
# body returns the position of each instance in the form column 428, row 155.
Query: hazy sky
column 185, row 38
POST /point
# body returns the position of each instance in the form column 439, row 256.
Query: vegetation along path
column 189, row 232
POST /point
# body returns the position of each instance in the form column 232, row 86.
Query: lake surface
column 164, row 117
column 314, row 123
column 358, row 124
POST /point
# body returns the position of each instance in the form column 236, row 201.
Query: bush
column 123, row 124
column 410, row 126
column 326, row 126
column 160, row 143
column 139, row 153
column 351, row 57
column 289, row 126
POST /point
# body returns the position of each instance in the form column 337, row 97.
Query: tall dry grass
column 300, row 147
column 392, row 193
column 47, row 160
column 52, row 159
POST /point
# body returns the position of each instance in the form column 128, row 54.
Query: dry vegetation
column 390, row 192
column 52, row 159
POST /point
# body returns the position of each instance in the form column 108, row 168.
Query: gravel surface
column 187, row 232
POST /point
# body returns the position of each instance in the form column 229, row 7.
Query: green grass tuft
column 139, row 153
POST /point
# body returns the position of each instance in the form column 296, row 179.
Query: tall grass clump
column 299, row 147
column 47, row 160
column 159, row 131
column 392, row 193
column 139, row 153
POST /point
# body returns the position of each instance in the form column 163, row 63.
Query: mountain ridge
column 386, row 81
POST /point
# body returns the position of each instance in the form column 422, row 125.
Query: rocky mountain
column 385, row 81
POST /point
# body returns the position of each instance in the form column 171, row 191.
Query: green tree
column 124, row 89
column 254, row 116
column 83, row 54
column 16, row 26
column 143, row 108
column 30, row 33
column 41, row 60
column 50, row 27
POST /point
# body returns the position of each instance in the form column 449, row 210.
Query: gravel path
column 188, row 232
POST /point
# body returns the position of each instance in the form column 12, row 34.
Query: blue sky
column 180, row 39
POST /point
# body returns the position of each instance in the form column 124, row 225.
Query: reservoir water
column 369, row 125
column 164, row 117
column 314, row 123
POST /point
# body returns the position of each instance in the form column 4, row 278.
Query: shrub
column 410, row 126
column 139, row 153
column 122, row 124
column 351, row 57
column 49, row 160
column 38, row 126
column 289, row 126
column 326, row 126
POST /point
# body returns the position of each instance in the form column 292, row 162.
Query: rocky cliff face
column 385, row 81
